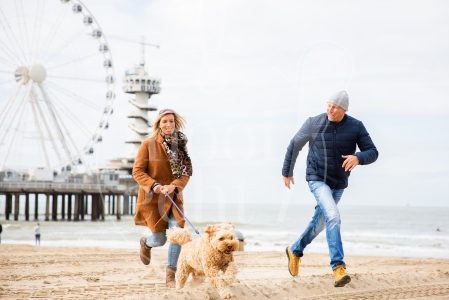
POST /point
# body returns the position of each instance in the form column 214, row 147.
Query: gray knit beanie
column 341, row 99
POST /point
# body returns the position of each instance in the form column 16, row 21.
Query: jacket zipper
column 335, row 152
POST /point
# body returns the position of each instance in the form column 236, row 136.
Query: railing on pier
column 71, row 200
column 58, row 186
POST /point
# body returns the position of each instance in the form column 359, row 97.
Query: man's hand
column 288, row 180
column 351, row 161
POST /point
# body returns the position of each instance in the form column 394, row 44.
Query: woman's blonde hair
column 180, row 122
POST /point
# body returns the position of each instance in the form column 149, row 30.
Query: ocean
column 366, row 230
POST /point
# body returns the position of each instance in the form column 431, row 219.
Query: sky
column 247, row 74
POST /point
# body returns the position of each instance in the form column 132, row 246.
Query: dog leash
column 166, row 194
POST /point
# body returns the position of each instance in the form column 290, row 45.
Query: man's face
column 334, row 112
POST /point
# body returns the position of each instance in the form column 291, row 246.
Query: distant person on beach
column 162, row 166
column 37, row 234
column 1, row 229
column 332, row 137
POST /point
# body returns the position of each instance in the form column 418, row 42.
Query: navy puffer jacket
column 328, row 141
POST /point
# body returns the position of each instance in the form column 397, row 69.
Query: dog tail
column 178, row 235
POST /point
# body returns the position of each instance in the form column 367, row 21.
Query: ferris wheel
column 56, row 83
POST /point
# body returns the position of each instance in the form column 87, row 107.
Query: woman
column 162, row 166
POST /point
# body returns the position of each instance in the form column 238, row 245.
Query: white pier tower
column 137, row 81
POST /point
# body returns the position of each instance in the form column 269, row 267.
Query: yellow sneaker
column 340, row 276
column 293, row 262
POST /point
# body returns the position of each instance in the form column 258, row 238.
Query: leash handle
column 166, row 194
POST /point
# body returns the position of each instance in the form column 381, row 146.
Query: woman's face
column 167, row 124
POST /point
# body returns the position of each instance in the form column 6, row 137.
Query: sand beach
column 99, row 273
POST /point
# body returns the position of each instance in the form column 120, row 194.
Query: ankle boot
column 170, row 277
column 145, row 252
column 340, row 276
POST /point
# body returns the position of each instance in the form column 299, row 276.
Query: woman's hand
column 167, row 189
column 157, row 189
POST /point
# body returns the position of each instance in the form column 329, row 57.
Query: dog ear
column 229, row 223
column 210, row 229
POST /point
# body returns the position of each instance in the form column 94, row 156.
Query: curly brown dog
column 207, row 256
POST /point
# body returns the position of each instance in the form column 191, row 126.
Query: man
column 332, row 137
column 37, row 234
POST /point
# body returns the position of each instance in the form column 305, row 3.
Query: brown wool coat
column 152, row 166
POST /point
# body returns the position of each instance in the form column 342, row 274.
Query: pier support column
column 126, row 205
column 82, row 204
column 54, row 207
column 119, row 206
column 86, row 204
column 69, row 207
column 102, row 206
column 114, row 199
column 94, row 207
column 8, row 205
column 36, row 206
column 76, row 216
column 133, row 204
column 63, row 196
column 47, row 207
column 27, row 207
column 16, row 206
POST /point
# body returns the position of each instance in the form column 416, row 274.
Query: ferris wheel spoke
column 70, row 115
column 21, row 104
column 22, row 109
column 49, row 40
column 27, row 37
column 10, row 53
column 38, row 28
column 21, row 130
column 20, row 32
column 39, row 129
column 8, row 105
column 65, row 128
column 7, row 64
column 6, row 81
column 74, row 60
column 13, row 36
column 76, row 78
column 48, row 129
column 68, row 42
column 51, row 110
column 4, row 100
column 17, row 145
column 74, row 96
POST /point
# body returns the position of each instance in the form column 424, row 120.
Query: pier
column 66, row 201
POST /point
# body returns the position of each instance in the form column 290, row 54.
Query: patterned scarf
column 179, row 159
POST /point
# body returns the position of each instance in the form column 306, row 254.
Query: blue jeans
column 326, row 215
column 158, row 239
